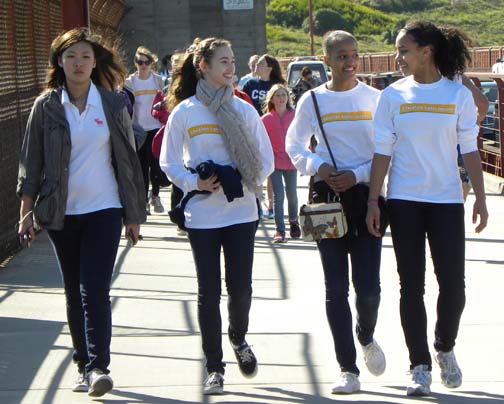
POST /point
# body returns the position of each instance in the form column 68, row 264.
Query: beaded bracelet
column 372, row 202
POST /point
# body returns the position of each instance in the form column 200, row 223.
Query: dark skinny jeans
column 237, row 241
column 86, row 250
column 365, row 255
column 444, row 225
column 150, row 165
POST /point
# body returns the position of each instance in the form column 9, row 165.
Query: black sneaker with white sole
column 246, row 359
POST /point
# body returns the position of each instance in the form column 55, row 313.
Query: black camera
column 206, row 169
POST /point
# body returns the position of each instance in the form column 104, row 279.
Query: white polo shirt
column 92, row 184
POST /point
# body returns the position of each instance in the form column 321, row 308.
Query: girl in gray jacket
column 80, row 178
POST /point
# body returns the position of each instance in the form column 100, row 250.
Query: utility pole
column 310, row 18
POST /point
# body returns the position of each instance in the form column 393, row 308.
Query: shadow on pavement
column 25, row 345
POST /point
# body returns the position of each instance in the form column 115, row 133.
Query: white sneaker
column 155, row 202
column 374, row 358
column 347, row 384
column 181, row 232
column 421, row 380
column 81, row 385
column 451, row 375
column 99, row 383
column 213, row 384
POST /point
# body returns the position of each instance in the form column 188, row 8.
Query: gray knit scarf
column 242, row 144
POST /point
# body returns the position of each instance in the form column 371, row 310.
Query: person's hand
column 327, row 172
column 211, row 184
column 343, row 180
column 480, row 209
column 373, row 219
column 26, row 231
column 132, row 233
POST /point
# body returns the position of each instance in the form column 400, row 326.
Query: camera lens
column 206, row 169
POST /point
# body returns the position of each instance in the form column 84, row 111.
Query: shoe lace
column 371, row 349
column 213, row 379
column 347, row 377
column 449, row 363
column 81, row 379
column 245, row 354
column 419, row 376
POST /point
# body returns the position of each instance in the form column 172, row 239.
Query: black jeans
column 237, row 241
column 86, row 250
column 150, row 165
column 176, row 196
column 365, row 255
column 444, row 225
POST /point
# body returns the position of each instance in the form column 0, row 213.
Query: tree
column 327, row 20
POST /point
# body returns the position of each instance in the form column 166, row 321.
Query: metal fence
column 27, row 28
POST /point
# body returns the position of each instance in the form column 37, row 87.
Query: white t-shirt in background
column 144, row 91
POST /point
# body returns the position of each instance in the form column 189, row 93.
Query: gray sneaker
column 213, row 384
column 81, row 385
column 451, row 375
column 374, row 358
column 421, row 379
column 99, row 383
column 156, row 204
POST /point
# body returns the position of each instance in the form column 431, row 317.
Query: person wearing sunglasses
column 144, row 84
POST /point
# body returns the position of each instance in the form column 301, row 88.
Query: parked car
column 318, row 68
column 490, row 124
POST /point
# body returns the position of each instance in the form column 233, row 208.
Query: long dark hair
column 109, row 71
column 449, row 44
column 187, row 73
column 276, row 76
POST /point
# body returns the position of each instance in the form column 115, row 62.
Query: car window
column 490, row 91
column 318, row 71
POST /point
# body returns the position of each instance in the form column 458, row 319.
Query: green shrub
column 327, row 20
column 398, row 6
column 365, row 20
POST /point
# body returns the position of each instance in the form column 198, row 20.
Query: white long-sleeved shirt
column 420, row 125
column 193, row 135
column 348, row 123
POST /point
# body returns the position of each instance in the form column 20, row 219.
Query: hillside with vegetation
column 375, row 23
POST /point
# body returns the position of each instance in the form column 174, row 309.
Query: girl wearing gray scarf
column 208, row 123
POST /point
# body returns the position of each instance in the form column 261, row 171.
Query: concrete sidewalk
column 156, row 353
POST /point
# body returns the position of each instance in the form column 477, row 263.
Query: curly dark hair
column 109, row 71
column 449, row 44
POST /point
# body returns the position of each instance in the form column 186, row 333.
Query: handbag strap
column 321, row 125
